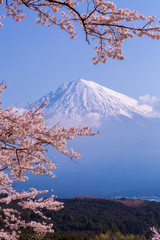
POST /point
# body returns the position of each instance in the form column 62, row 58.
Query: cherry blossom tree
column 24, row 137
column 23, row 145
column 100, row 21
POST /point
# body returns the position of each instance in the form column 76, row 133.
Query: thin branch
column 3, row 169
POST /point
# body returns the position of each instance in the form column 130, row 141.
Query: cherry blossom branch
column 101, row 22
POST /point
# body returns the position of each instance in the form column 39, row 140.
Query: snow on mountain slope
column 80, row 99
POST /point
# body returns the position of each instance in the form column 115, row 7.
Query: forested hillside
column 89, row 218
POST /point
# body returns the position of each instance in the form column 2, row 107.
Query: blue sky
column 36, row 60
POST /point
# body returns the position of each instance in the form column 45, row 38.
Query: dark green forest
column 89, row 218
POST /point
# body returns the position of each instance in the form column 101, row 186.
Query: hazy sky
column 36, row 60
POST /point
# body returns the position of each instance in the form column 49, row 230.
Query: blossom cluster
column 156, row 234
column 24, row 138
column 100, row 20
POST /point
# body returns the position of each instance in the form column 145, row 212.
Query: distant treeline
column 88, row 218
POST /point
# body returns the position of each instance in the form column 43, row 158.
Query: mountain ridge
column 87, row 99
column 122, row 161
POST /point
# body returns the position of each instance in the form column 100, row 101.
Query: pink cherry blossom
column 156, row 234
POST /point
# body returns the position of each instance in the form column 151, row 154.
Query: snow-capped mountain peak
column 83, row 98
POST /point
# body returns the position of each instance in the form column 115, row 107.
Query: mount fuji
column 82, row 102
column 124, row 160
